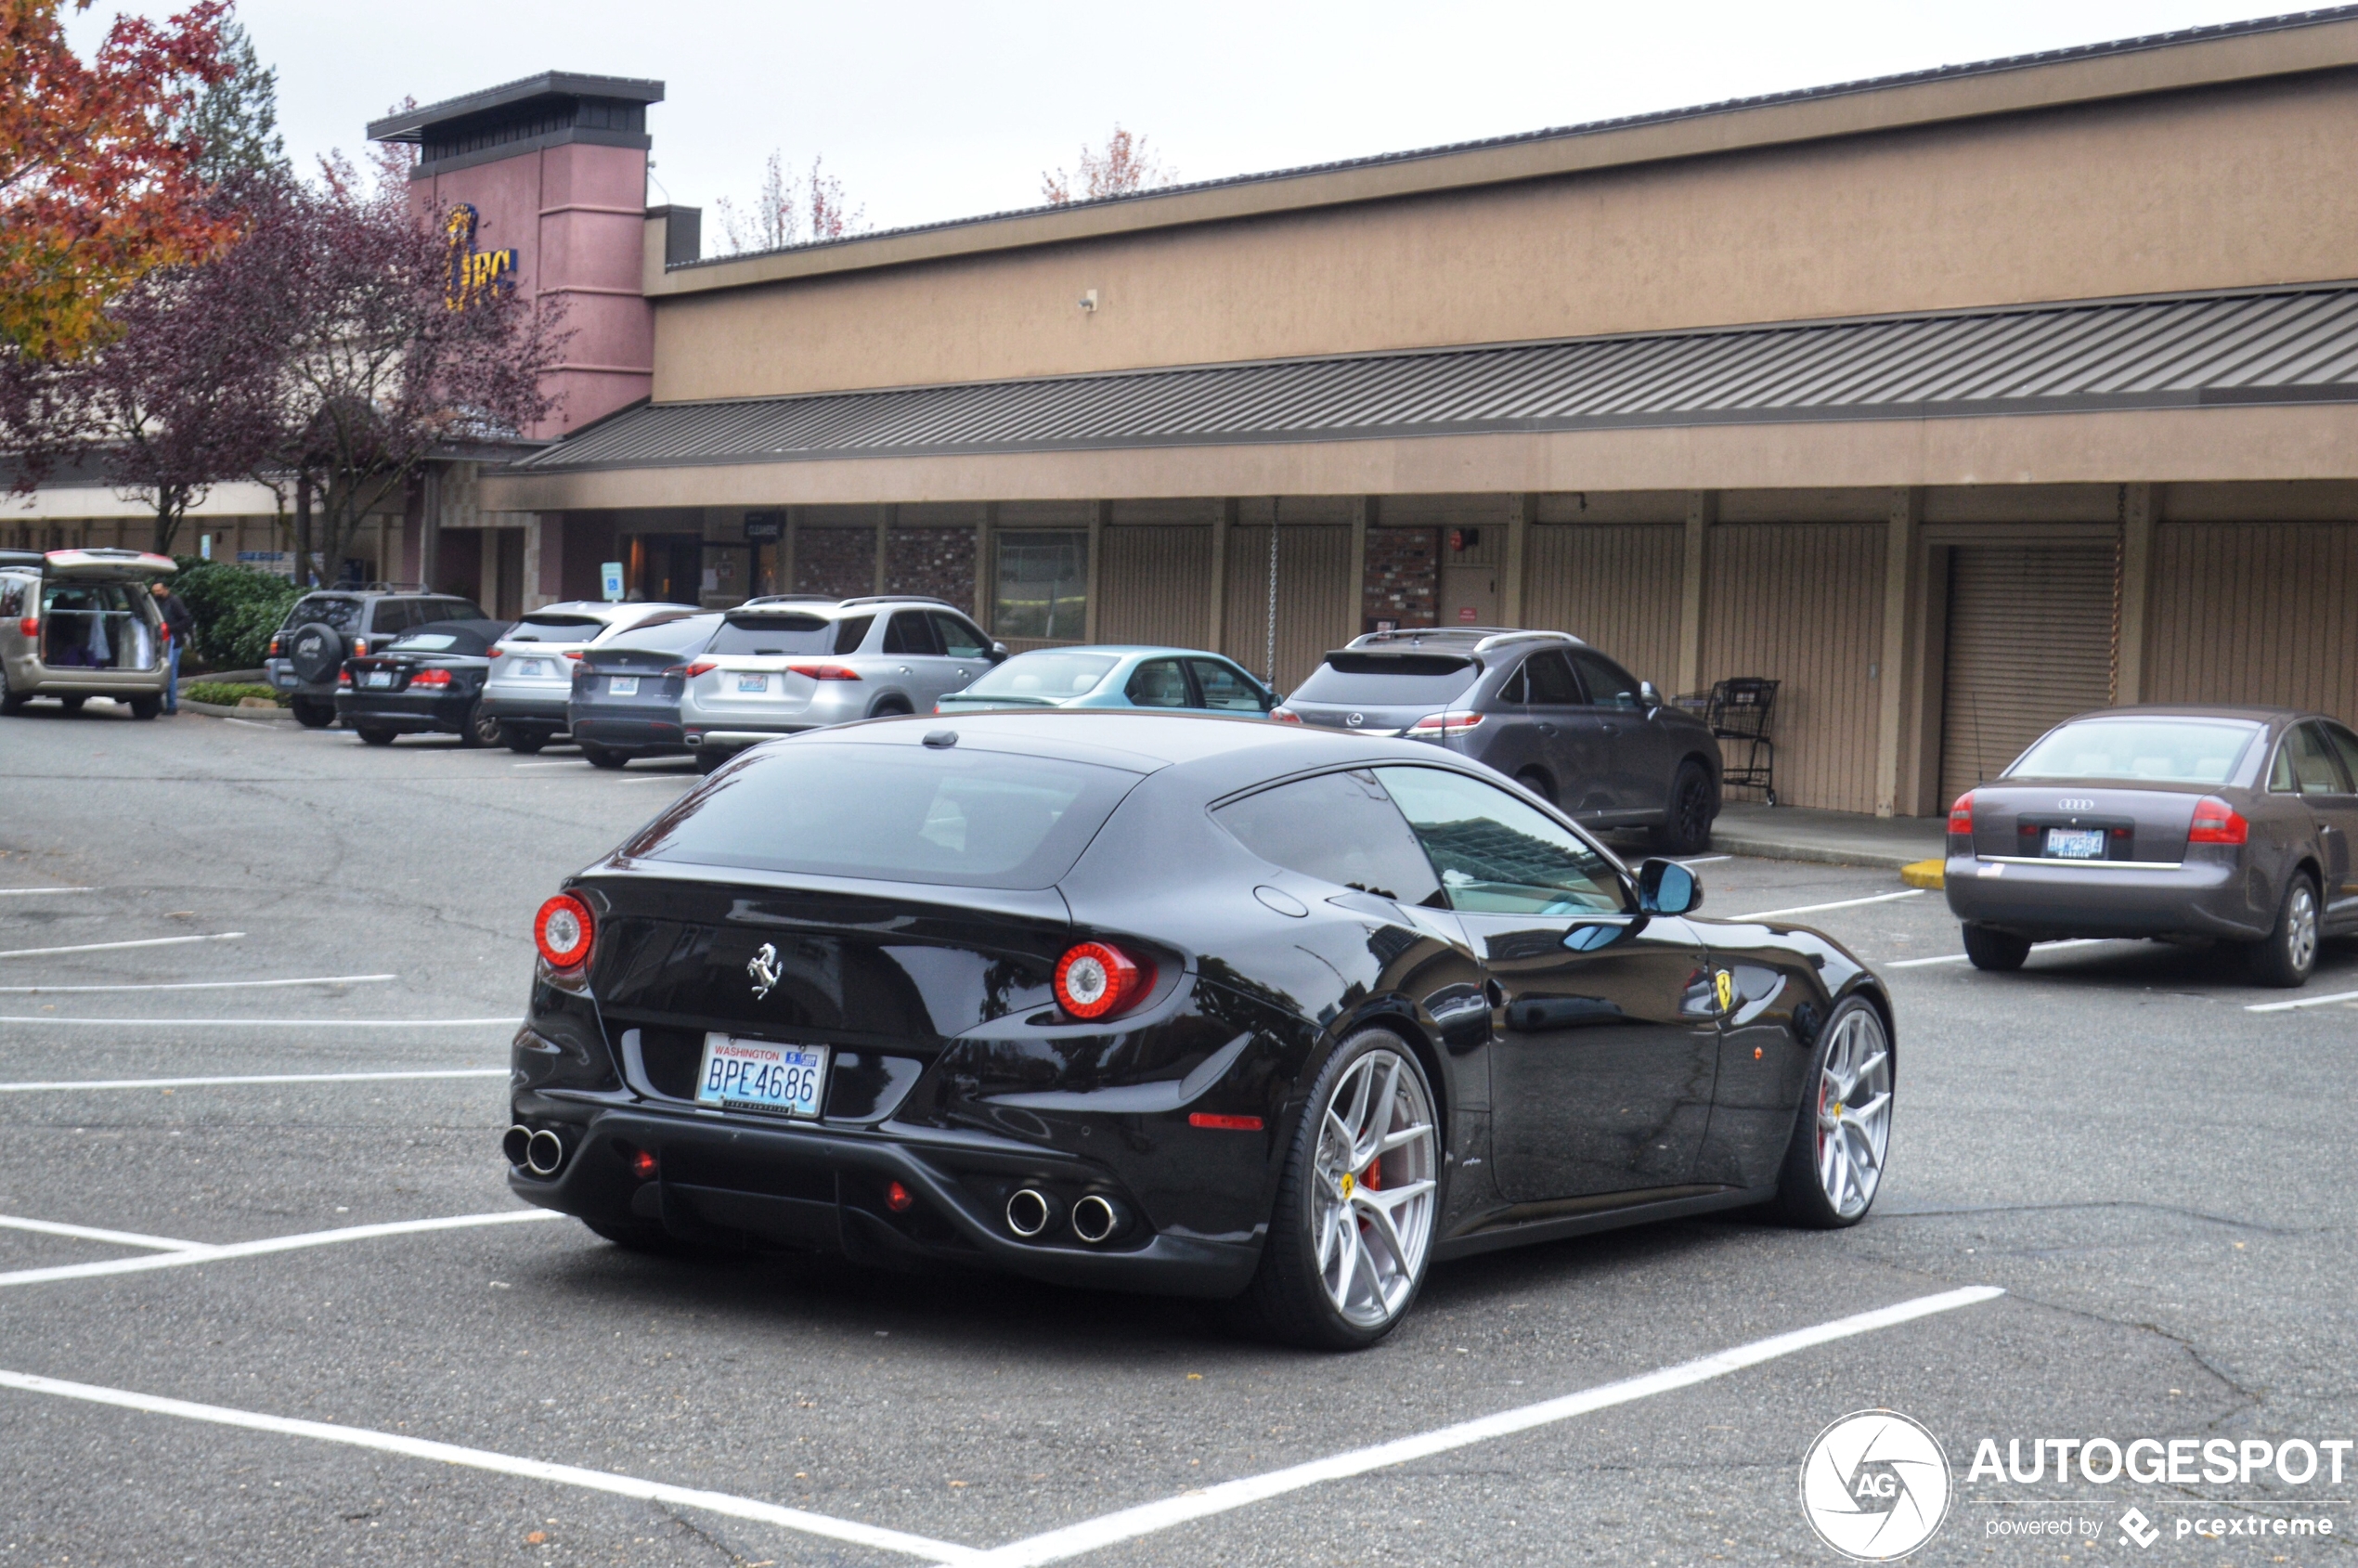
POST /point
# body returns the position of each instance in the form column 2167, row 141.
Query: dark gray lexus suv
column 1542, row 708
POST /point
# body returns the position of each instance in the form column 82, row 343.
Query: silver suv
column 789, row 662
column 532, row 668
column 77, row 624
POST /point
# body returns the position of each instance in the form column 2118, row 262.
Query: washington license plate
column 380, row 678
column 2076, row 843
column 753, row 683
column 758, row 1075
column 622, row 685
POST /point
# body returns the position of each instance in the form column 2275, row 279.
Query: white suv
column 532, row 668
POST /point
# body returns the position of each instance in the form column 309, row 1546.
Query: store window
column 1043, row 586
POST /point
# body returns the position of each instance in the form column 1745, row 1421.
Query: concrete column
column 883, row 542
column 1099, row 516
column 983, row 531
column 1702, row 511
column 1520, row 512
column 1896, row 669
column 1223, row 522
column 2139, row 509
column 786, row 549
column 1360, row 512
column 429, row 529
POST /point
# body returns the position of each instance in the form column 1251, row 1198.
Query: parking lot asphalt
column 2153, row 1180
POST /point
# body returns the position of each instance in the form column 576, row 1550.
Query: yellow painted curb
column 1923, row 873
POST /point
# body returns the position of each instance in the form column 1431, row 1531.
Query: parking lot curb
column 225, row 710
column 1925, row 873
column 1738, row 842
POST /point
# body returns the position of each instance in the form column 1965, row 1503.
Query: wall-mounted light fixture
column 1089, row 302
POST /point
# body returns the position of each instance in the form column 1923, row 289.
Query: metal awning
column 2288, row 346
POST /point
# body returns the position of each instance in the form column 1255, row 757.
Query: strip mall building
column 1957, row 402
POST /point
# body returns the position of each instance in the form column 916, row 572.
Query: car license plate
column 380, row 678
column 753, row 683
column 2076, row 843
column 757, row 1075
column 534, row 670
column 622, row 685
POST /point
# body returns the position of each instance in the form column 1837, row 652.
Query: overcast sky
column 933, row 109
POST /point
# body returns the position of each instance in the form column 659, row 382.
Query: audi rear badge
column 763, row 967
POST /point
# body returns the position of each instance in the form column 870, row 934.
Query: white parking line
column 110, row 947
column 197, row 985
column 846, row 1530
column 1960, row 958
column 22, row 892
column 90, row 1233
column 207, row 1254
column 49, row 1087
column 569, row 762
column 1838, row 903
column 1130, row 1524
column 2303, row 1001
column 266, row 1023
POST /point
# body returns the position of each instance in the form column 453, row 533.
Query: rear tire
column 1999, row 952
column 1340, row 1209
column 2289, row 954
column 146, row 708
column 524, row 741
column 311, row 713
column 1536, row 781
column 71, row 704
column 1687, row 816
column 600, row 757
column 11, row 701
column 480, row 729
column 372, row 735
column 1841, row 1131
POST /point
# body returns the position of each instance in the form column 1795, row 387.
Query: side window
column 11, row 597
column 1226, row 691
column 1550, row 683
column 2280, row 770
column 960, row 640
column 2346, row 745
column 388, row 616
column 851, row 631
column 1158, row 683
column 2312, row 761
column 1517, row 689
column 1338, row 827
column 1609, row 684
column 910, row 632
column 1496, row 854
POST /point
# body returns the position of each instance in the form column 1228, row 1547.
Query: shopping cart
column 1739, row 709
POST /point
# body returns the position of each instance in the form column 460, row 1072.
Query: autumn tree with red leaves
column 790, row 209
column 1121, row 166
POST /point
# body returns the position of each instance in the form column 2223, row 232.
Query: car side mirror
column 1650, row 695
column 999, row 653
column 1667, row 887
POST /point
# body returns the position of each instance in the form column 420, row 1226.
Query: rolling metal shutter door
column 1318, row 602
column 2256, row 613
column 2030, row 645
column 1156, row 584
column 1614, row 586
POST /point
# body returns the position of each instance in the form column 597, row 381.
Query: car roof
column 2247, row 712
column 1146, row 741
column 1469, row 638
column 1130, row 650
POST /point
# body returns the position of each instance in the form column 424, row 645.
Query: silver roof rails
column 1485, row 638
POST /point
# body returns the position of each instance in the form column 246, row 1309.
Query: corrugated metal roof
column 2274, row 346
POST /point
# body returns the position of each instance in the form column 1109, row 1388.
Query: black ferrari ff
column 1191, row 1006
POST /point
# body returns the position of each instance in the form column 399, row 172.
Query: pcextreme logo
column 1876, row 1486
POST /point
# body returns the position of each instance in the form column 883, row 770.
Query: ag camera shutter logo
column 1876, row 1486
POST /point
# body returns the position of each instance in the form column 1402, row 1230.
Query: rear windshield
column 672, row 636
column 1383, row 679
column 967, row 819
column 555, row 629
column 335, row 610
column 774, row 634
column 1046, row 676
column 2175, row 750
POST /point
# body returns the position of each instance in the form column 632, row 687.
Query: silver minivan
column 532, row 668
column 778, row 665
column 77, row 624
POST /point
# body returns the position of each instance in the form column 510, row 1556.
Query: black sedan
column 1192, row 1005
column 1545, row 709
column 2229, row 824
column 625, row 701
column 427, row 682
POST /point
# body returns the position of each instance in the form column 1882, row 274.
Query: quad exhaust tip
column 1030, row 1212
column 542, row 1152
column 1097, row 1218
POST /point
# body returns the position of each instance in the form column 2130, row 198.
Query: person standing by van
column 180, row 626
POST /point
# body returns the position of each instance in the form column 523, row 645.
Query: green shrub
column 237, row 610
column 227, row 693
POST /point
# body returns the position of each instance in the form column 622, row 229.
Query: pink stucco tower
column 543, row 183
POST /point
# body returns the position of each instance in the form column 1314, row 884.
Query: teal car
column 1183, row 679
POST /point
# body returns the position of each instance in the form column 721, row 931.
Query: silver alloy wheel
column 1854, row 1112
column 1372, row 1206
column 2300, row 927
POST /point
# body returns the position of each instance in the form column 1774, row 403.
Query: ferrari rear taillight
column 563, row 931
column 1961, row 816
column 430, row 678
column 2218, row 823
column 1096, row 979
column 825, row 671
column 1456, row 721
